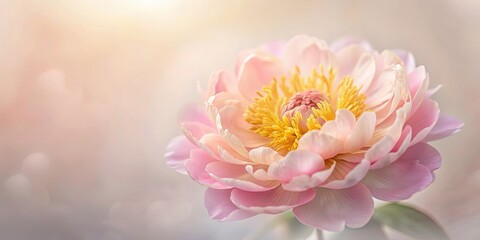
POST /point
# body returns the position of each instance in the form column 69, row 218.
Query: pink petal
column 341, row 127
column 195, row 130
column 194, row 113
column 276, row 48
column 323, row 144
column 305, row 182
column 346, row 174
column 361, row 133
column 358, row 63
column 236, row 176
column 308, row 53
column 418, row 82
column 221, row 208
column 177, row 152
column 423, row 120
column 273, row 201
column 221, row 81
column 407, row 59
column 411, row 173
column 231, row 124
column 386, row 156
column 342, row 43
column 264, row 155
column 258, row 70
column 296, row 163
column 219, row 148
column 444, row 127
column 196, row 165
column 331, row 209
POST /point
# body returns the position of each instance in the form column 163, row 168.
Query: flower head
column 314, row 128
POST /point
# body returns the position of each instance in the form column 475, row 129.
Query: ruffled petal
column 444, row 127
column 390, row 184
column 177, row 152
column 423, row 120
column 332, row 210
column 308, row 53
column 256, row 71
column 220, row 207
column 273, row 201
column 296, row 163
column 346, row 174
column 358, row 63
column 304, row 182
column 237, row 176
column 344, row 42
column 196, row 165
column 264, row 155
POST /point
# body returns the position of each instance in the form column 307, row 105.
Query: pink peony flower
column 314, row 128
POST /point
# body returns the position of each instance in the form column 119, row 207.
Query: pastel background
column 89, row 92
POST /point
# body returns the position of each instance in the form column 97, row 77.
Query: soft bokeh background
column 89, row 92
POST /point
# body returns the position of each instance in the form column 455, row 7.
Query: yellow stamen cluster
column 266, row 117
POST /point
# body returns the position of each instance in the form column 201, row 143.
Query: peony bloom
column 314, row 128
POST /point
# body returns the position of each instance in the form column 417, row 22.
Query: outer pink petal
column 358, row 63
column 194, row 113
column 194, row 131
column 221, row 208
column 196, row 165
column 411, row 173
column 177, row 152
column 296, row 163
column 221, row 81
column 331, row 209
column 423, row 120
column 346, row 174
column 238, row 177
column 341, row 43
column 307, row 53
column 256, row 71
column 273, row 201
column 418, row 82
column 407, row 59
column 444, row 127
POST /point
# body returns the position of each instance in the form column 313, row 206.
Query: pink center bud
column 303, row 102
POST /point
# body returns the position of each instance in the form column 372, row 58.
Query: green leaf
column 410, row 221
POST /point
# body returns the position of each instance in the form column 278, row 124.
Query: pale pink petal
column 391, row 184
column 256, row 71
column 385, row 139
column 323, row 144
column 423, row 120
column 194, row 113
column 362, row 133
column 220, row 149
column 259, row 172
column 341, row 127
column 236, row 131
column 427, row 155
column 386, row 156
column 308, row 53
column 276, row 48
column 346, row 174
column 305, row 182
column 221, row 81
column 418, row 82
column 177, row 152
column 264, row 155
column 341, row 43
column 221, row 208
column 273, row 201
column 444, row 127
column 194, row 131
column 237, row 176
column 296, row 163
column 332, row 210
column 358, row 63
column 196, row 165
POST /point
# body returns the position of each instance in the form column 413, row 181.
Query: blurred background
column 90, row 90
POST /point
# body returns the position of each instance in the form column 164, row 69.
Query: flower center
column 287, row 109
